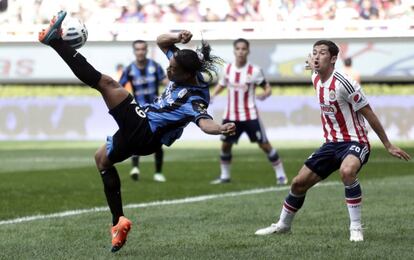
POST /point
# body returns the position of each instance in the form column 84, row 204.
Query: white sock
column 279, row 169
column 354, row 211
column 353, row 198
column 225, row 170
column 286, row 217
column 277, row 165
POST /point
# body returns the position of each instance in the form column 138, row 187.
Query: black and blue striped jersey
column 145, row 82
column 176, row 108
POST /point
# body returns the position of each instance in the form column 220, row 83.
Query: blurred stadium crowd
column 170, row 11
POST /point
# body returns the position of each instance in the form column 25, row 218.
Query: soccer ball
column 74, row 32
column 210, row 77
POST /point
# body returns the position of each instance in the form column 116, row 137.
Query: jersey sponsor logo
column 328, row 109
column 144, row 80
column 237, row 86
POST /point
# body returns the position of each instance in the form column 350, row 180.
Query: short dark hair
column 199, row 60
column 243, row 41
column 348, row 62
column 139, row 41
column 332, row 47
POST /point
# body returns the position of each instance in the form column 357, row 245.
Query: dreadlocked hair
column 199, row 60
column 209, row 61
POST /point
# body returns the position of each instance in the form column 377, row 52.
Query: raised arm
column 376, row 125
column 208, row 126
column 168, row 41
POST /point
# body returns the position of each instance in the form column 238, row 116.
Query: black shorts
column 329, row 156
column 253, row 129
column 134, row 135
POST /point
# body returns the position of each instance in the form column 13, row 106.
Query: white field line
column 152, row 204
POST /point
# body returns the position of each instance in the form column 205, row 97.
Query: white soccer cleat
column 159, row 177
column 134, row 173
column 220, row 181
column 356, row 234
column 272, row 229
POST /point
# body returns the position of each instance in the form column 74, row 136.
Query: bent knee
column 299, row 186
column 348, row 173
column 101, row 160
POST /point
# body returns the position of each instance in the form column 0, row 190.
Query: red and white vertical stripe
column 339, row 121
column 240, row 82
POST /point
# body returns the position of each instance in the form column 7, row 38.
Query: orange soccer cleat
column 54, row 30
column 120, row 233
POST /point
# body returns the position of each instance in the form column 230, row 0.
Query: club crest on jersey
column 332, row 95
column 182, row 93
column 200, row 106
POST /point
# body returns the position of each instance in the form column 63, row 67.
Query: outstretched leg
column 112, row 93
column 293, row 202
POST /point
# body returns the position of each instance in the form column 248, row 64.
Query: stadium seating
column 114, row 19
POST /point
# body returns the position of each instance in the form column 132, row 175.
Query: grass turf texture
column 49, row 177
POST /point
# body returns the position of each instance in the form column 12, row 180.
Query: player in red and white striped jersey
column 340, row 99
column 343, row 109
column 241, row 79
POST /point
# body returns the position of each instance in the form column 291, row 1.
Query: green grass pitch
column 41, row 178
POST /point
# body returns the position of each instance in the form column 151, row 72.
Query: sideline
column 154, row 203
